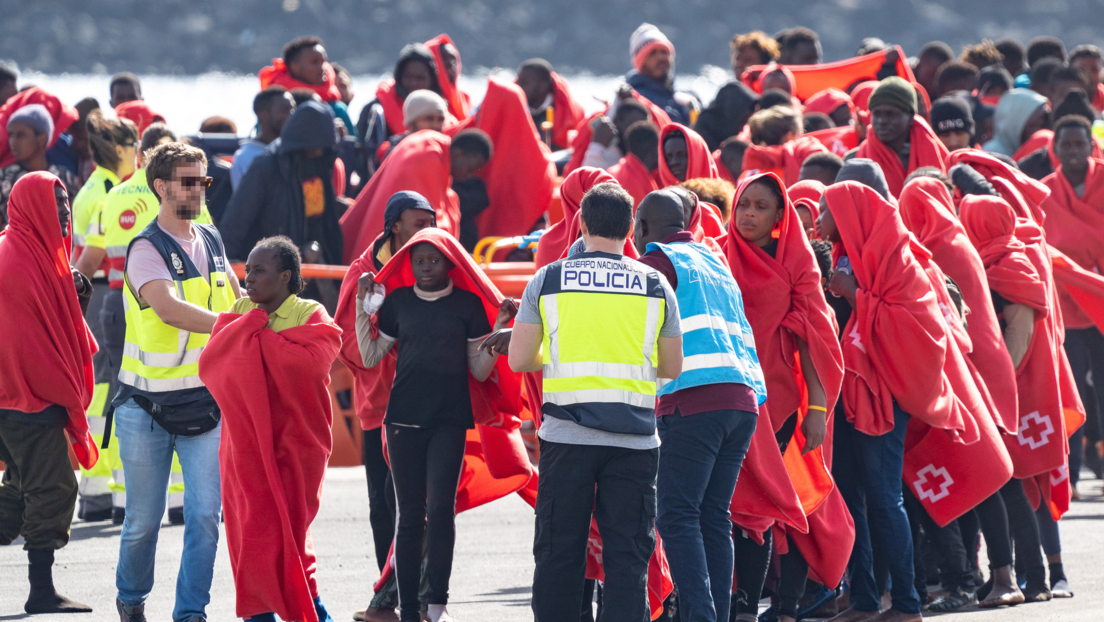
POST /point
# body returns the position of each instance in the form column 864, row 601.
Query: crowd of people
column 811, row 341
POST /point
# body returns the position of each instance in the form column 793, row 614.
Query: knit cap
column 421, row 103
column 951, row 114
column 36, row 116
column 895, row 92
column 645, row 39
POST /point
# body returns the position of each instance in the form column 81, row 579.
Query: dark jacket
column 1037, row 165
column 726, row 116
column 659, row 94
column 269, row 199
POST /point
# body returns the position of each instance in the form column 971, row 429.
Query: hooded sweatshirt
column 285, row 193
column 1013, row 111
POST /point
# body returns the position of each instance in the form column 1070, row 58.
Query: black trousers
column 1025, row 534
column 381, row 494
column 625, row 509
column 113, row 325
column 39, row 489
column 1085, row 349
column 425, row 465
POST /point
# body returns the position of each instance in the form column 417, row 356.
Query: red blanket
column 1038, row 140
column 807, row 193
column 1038, row 443
column 275, row 445
column 458, row 101
column 895, row 344
column 783, row 160
column 584, row 132
column 631, row 173
column 784, row 302
column 62, row 114
column 277, row 73
column 46, row 358
column 788, row 304
column 558, row 238
column 420, row 163
column 927, row 212
column 371, row 386
column 520, row 178
column 1034, row 192
column 139, row 112
column 700, row 160
column 838, row 140
column 812, row 79
column 388, row 97
column 925, row 150
column 828, row 101
column 567, row 113
column 1073, row 225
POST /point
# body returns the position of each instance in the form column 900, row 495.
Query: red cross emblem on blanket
column 1035, row 430
column 932, row 483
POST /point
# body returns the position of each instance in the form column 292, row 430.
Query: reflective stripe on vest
column 158, row 358
column 607, row 383
column 718, row 345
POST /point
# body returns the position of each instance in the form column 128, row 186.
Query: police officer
column 602, row 328
column 175, row 283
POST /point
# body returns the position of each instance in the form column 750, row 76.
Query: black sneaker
column 130, row 614
column 176, row 516
column 118, row 515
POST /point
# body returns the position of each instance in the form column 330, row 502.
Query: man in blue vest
column 602, row 328
column 707, row 415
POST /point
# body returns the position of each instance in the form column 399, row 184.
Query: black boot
column 43, row 598
column 118, row 515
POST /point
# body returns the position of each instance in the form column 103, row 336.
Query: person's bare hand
column 498, row 342
column 624, row 92
column 364, row 285
column 604, row 131
column 78, row 281
column 843, row 285
column 506, row 312
column 815, row 428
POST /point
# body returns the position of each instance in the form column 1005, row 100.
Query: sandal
column 953, row 601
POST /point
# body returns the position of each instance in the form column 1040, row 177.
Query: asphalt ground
column 492, row 573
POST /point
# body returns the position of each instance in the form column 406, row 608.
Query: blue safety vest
column 717, row 342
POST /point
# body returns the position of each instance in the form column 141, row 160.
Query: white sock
column 439, row 613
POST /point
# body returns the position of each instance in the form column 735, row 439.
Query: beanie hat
column 1075, row 102
column 36, row 116
column 645, row 39
column 895, row 92
column 951, row 114
column 421, row 103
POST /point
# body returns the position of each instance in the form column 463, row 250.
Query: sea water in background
column 186, row 101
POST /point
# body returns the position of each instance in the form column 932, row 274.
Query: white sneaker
column 1061, row 589
column 439, row 613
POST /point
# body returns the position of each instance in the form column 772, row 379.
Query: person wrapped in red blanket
column 683, row 155
column 638, row 170
column 585, row 133
column 438, row 303
column 898, row 135
column 927, row 211
column 46, row 353
column 549, row 98
column 447, row 59
column 796, row 340
column 427, row 163
column 895, row 348
column 268, row 364
column 521, row 178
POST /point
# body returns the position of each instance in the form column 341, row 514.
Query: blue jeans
column 146, row 450
column 868, row 470
column 699, row 462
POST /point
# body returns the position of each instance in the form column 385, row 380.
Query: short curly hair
column 760, row 41
column 162, row 160
column 288, row 258
column 717, row 192
column 982, row 55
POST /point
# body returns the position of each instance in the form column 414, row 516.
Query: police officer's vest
column 717, row 342
column 602, row 314
column 161, row 362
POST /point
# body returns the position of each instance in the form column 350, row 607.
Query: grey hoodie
column 1013, row 111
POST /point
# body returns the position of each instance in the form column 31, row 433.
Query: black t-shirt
column 431, row 375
